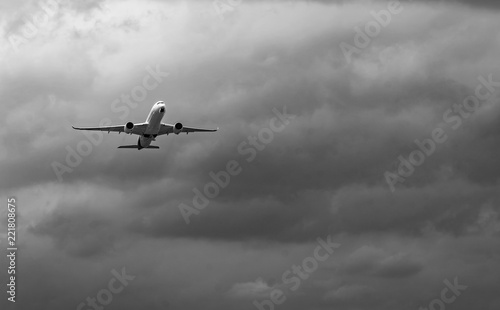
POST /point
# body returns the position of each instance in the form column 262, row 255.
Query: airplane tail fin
column 137, row 147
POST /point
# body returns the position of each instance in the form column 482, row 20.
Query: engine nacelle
column 128, row 127
column 178, row 128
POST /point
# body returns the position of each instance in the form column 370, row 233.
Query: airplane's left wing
column 138, row 129
column 179, row 128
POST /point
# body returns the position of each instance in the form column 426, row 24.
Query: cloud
column 322, row 175
column 81, row 235
column 349, row 293
column 371, row 261
column 256, row 289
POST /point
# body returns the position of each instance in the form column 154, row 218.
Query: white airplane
column 149, row 130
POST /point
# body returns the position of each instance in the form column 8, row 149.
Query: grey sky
column 324, row 174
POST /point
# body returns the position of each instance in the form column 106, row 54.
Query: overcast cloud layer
column 229, row 64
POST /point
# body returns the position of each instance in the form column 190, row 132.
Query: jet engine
column 178, row 128
column 128, row 127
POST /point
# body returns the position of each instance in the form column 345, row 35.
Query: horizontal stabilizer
column 137, row 147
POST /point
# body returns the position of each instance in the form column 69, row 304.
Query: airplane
column 149, row 130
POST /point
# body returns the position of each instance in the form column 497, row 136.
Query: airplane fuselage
column 154, row 123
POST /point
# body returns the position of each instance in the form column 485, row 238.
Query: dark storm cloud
column 80, row 233
column 323, row 174
column 259, row 218
column 325, row 147
column 375, row 262
column 294, row 95
column 353, row 210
